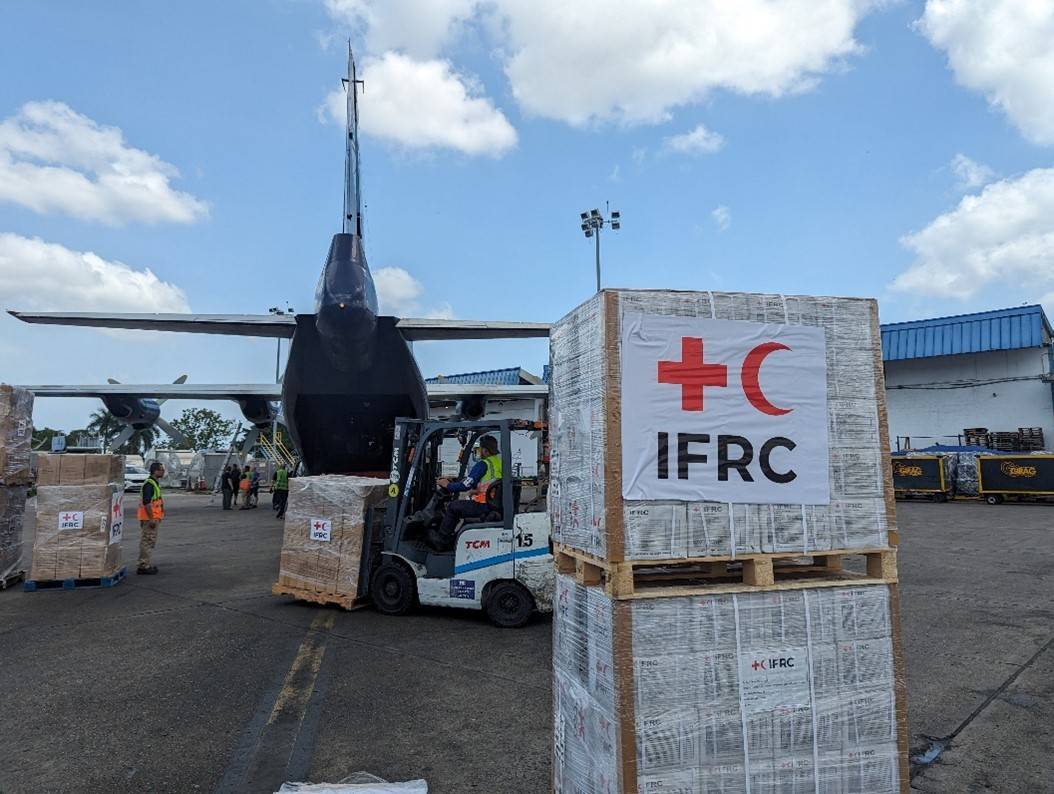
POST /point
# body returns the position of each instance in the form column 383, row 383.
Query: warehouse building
column 984, row 370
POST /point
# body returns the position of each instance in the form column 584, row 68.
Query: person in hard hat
column 486, row 471
column 280, row 490
column 151, row 512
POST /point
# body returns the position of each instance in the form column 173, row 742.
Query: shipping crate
column 12, row 514
column 78, row 533
column 323, row 536
column 784, row 690
column 16, row 435
column 721, row 350
column 66, row 468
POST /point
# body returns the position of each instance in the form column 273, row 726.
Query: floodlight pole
column 598, row 257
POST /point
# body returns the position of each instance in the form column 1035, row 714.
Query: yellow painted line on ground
column 299, row 682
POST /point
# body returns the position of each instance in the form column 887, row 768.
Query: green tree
column 42, row 438
column 204, row 428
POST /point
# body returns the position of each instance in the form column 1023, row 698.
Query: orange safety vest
column 245, row 484
column 157, row 504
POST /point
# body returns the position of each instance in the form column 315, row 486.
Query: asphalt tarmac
column 199, row 679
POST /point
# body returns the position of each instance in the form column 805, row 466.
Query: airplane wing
column 271, row 325
column 428, row 330
column 268, row 391
column 168, row 391
column 280, row 325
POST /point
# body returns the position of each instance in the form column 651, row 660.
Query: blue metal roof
column 513, row 376
column 1002, row 329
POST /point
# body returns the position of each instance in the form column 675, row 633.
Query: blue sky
column 897, row 150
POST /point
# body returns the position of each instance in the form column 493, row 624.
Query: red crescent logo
column 751, row 373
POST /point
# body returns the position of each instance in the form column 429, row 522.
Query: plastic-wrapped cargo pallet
column 12, row 512
column 16, row 435
column 322, row 543
column 592, row 508
column 698, row 437
column 80, row 517
column 782, row 692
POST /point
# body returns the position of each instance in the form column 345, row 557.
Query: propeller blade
column 114, row 381
column 250, row 439
column 173, row 433
column 122, row 438
column 180, row 380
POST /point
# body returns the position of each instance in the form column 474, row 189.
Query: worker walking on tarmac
column 486, row 471
column 151, row 512
column 280, row 490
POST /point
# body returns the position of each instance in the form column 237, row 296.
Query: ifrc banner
column 321, row 529
column 71, row 519
column 723, row 410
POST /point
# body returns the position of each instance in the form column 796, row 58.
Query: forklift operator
column 486, row 471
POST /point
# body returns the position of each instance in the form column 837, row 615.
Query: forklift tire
column 393, row 589
column 509, row 605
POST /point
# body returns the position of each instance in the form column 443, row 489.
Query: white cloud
column 1004, row 235
column 55, row 159
column 698, row 141
column 42, row 276
column 722, row 217
column 426, row 105
column 635, row 62
column 615, row 176
column 970, row 174
column 420, row 29
column 586, row 61
column 399, row 294
column 1003, row 49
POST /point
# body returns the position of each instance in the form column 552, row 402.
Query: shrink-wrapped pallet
column 66, row 468
column 12, row 514
column 781, row 691
column 78, row 531
column 594, row 475
column 323, row 535
column 16, row 435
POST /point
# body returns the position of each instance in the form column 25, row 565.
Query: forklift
column 500, row 563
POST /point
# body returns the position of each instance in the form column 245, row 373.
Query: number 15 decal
column 524, row 539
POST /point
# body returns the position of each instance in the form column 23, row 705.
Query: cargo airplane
column 350, row 370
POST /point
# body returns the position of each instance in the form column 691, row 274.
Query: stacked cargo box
column 325, row 520
column 16, row 437
column 695, row 649
column 80, row 517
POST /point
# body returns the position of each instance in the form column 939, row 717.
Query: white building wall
column 930, row 416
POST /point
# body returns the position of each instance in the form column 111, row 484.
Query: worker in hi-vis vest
column 151, row 511
column 479, row 479
column 280, row 490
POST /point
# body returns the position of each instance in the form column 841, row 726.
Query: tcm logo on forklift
column 477, row 544
column 723, row 410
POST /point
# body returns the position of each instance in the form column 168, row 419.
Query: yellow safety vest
column 493, row 463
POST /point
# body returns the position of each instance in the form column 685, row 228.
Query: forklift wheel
column 393, row 589
column 509, row 605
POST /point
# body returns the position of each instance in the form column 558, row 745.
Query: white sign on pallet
column 321, row 529
column 71, row 519
column 116, row 518
column 723, row 410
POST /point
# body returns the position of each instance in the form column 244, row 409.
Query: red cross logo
column 318, row 525
column 692, row 374
column 756, row 665
column 116, row 509
column 67, row 517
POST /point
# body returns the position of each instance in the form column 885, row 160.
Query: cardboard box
column 16, row 435
column 795, row 690
column 323, row 533
column 68, row 468
column 12, row 513
column 79, row 532
column 602, row 451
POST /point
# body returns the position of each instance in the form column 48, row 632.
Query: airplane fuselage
column 350, row 372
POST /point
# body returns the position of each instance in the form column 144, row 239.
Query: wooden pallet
column 11, row 579
column 300, row 593
column 34, row 585
column 712, row 575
